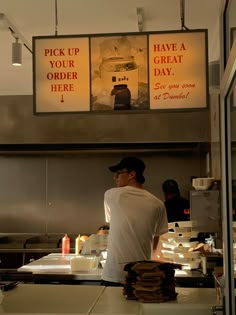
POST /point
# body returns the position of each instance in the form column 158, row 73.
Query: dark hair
column 170, row 186
column 104, row 227
column 131, row 164
column 140, row 178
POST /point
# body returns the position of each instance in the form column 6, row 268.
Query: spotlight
column 16, row 53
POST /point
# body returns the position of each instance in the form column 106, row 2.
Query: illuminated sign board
column 177, row 75
column 120, row 72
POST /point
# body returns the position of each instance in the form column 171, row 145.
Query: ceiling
column 37, row 18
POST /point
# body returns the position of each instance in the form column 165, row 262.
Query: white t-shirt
column 135, row 217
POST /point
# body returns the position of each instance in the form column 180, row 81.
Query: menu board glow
column 110, row 72
column 62, row 75
column 177, row 70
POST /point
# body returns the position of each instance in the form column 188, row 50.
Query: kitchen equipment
column 210, row 261
column 205, row 210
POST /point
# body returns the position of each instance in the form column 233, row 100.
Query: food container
column 181, row 249
column 182, row 229
column 84, row 263
column 179, row 240
column 173, row 244
column 192, row 234
column 202, row 183
column 168, row 254
column 180, row 226
column 191, row 255
column 185, row 242
column 168, row 245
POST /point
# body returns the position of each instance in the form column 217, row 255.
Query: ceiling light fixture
column 16, row 53
column 16, row 47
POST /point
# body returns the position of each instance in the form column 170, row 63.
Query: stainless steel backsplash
column 63, row 193
column 59, row 192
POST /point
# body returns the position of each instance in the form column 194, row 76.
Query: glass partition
column 228, row 137
column 229, row 25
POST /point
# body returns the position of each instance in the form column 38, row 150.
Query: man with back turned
column 137, row 219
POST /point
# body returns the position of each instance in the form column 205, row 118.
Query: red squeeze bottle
column 65, row 245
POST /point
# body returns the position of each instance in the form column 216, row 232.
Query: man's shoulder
column 114, row 191
column 158, row 202
column 111, row 190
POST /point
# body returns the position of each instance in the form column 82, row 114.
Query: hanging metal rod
column 182, row 15
column 56, row 19
column 14, row 31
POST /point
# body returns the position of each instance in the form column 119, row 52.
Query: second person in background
column 177, row 207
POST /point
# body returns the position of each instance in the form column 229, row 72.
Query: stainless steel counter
column 56, row 268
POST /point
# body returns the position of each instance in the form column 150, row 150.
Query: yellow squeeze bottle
column 77, row 245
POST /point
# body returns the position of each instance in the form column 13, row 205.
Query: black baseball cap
column 130, row 163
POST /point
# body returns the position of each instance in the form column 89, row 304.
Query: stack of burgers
column 150, row 281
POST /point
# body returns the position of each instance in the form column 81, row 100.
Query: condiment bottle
column 65, row 245
column 77, row 245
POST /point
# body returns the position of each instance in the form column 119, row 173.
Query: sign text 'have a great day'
column 165, row 63
column 173, row 61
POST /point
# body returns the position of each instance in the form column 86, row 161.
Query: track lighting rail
column 15, row 32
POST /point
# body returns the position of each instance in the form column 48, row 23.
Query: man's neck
column 135, row 184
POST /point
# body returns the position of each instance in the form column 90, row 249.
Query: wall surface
column 61, row 193
column 20, row 126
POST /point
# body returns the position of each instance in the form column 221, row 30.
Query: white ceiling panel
column 37, row 18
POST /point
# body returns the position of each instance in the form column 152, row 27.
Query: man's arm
column 155, row 243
